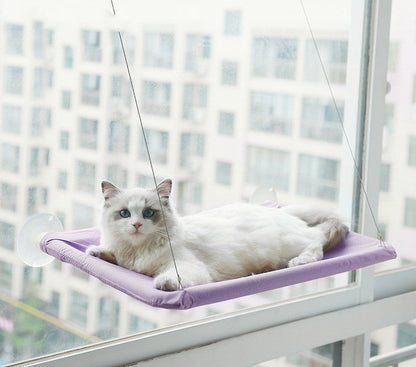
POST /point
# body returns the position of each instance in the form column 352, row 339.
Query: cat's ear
column 164, row 188
column 109, row 190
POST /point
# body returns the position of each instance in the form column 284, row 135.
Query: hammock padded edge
column 356, row 251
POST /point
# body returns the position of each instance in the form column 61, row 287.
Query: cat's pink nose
column 137, row 225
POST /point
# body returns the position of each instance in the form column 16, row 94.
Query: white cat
column 228, row 242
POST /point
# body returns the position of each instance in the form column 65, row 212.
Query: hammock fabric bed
column 356, row 251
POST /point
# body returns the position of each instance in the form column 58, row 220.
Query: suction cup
column 263, row 195
column 28, row 240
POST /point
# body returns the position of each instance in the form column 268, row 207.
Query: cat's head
column 134, row 214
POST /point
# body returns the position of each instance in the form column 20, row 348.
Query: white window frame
column 250, row 336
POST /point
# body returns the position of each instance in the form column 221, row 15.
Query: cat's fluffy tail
column 331, row 224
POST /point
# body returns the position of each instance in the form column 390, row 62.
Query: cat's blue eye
column 124, row 213
column 148, row 213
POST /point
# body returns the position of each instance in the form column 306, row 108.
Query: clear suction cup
column 263, row 195
column 28, row 240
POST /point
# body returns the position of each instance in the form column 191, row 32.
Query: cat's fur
column 228, row 242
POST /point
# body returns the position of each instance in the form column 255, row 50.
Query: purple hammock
column 356, row 251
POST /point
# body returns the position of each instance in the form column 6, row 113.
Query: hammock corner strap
column 356, row 251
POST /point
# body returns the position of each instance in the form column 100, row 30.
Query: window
column 66, row 99
column 91, row 45
column 158, row 50
column 192, row 151
column 117, row 175
column 410, row 212
column 412, row 151
column 229, row 73
column 385, row 177
column 271, row 112
column 6, row 277
column 108, row 317
column 68, row 57
column 39, row 159
column 63, row 180
column 223, row 173
column 156, row 98
column 138, row 323
column 64, row 140
column 13, row 80
column 10, row 156
column 42, row 81
column 8, row 195
column 78, row 309
column 14, row 39
column 41, row 119
column 90, row 90
column 7, row 235
column 129, row 41
column 274, row 57
column 85, row 176
column 12, row 119
column 118, row 137
column 55, row 303
column 226, row 123
column 258, row 167
column 232, row 23
column 158, row 142
column 318, row 177
column 195, row 100
column 320, row 120
column 83, row 216
column 198, row 52
column 88, row 130
column 334, row 54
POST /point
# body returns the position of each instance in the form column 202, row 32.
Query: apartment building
column 228, row 106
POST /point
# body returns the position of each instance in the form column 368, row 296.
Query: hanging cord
column 147, row 149
column 341, row 122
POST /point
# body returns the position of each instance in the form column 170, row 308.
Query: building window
column 198, row 52
column 64, row 140
column 6, row 277
column 90, row 90
column 122, row 95
column 118, row 137
column 7, row 235
column 129, row 46
column 320, row 120
column 195, row 102
column 156, row 98
column 14, row 39
column 13, row 80
column 385, row 177
column 158, row 142
column 275, row 57
column 117, row 175
column 192, row 151
column 189, row 195
column 41, row 120
column 78, row 308
column 138, row 324
column 406, row 335
column 8, row 195
column 36, row 197
column 271, row 112
column 10, row 155
column 410, row 212
column 62, row 180
column 86, row 176
column 318, row 177
column 108, row 318
column 91, row 41
column 226, row 123
column 158, row 50
column 88, row 132
column 411, row 158
column 229, row 73
column 83, row 216
column 223, row 173
column 232, row 23
column 39, row 158
column 66, row 100
column 54, row 303
column 334, row 56
column 68, row 57
column 268, row 167
column 42, row 80
column 42, row 38
column 12, row 119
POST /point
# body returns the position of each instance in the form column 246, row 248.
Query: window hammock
column 354, row 252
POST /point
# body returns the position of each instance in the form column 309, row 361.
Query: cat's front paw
column 105, row 255
column 302, row 259
column 166, row 282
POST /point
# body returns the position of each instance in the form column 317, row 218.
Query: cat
column 227, row 242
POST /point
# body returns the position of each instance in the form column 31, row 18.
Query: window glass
column 228, row 106
column 397, row 199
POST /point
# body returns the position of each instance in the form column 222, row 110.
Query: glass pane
column 397, row 200
column 228, row 106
